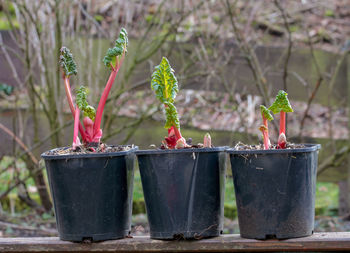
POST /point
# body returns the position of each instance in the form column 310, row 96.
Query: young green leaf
column 119, row 48
column 122, row 41
column 172, row 118
column 164, row 82
column 265, row 113
column 83, row 105
column 281, row 103
column 67, row 62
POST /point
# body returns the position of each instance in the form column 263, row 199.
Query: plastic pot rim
column 90, row 155
column 308, row 148
column 183, row 150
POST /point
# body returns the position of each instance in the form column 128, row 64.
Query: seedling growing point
column 207, row 141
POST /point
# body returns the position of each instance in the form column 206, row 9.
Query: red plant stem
column 282, row 122
column 76, row 124
column 71, row 106
column 265, row 122
column 69, row 95
column 266, row 139
column 266, row 133
column 101, row 104
column 177, row 133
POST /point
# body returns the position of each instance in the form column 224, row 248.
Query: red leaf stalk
column 282, row 122
column 265, row 133
column 265, row 122
column 174, row 135
column 71, row 106
column 89, row 126
column 101, row 104
column 76, row 141
column 282, row 140
column 171, row 139
column 177, row 133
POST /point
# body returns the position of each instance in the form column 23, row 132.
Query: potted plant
column 275, row 184
column 91, row 183
column 183, row 184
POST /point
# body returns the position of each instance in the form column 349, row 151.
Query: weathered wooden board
column 226, row 243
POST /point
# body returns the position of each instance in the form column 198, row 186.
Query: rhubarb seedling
column 92, row 119
column 266, row 115
column 165, row 86
column 69, row 68
column 265, row 133
column 281, row 105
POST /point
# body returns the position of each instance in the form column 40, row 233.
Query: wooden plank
column 227, row 243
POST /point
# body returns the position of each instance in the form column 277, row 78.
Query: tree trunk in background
column 40, row 183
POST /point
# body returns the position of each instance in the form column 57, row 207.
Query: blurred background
column 229, row 56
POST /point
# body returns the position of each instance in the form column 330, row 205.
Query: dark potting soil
column 242, row 146
column 188, row 142
column 101, row 148
column 199, row 145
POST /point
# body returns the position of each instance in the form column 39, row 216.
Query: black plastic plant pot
column 275, row 191
column 92, row 194
column 184, row 191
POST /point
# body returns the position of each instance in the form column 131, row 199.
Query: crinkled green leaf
column 164, row 82
column 172, row 118
column 67, row 62
column 120, row 46
column 165, row 86
column 265, row 113
column 83, row 105
column 281, row 103
column 90, row 112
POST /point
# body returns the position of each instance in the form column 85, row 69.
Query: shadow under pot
column 184, row 191
column 92, row 194
column 275, row 191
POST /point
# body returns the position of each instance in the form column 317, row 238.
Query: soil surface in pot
column 242, row 146
column 188, row 142
column 101, row 148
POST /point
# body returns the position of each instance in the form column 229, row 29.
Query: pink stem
column 266, row 133
column 71, row 106
column 177, row 133
column 101, row 104
column 76, row 125
column 266, row 139
column 265, row 122
column 282, row 122
column 69, row 95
